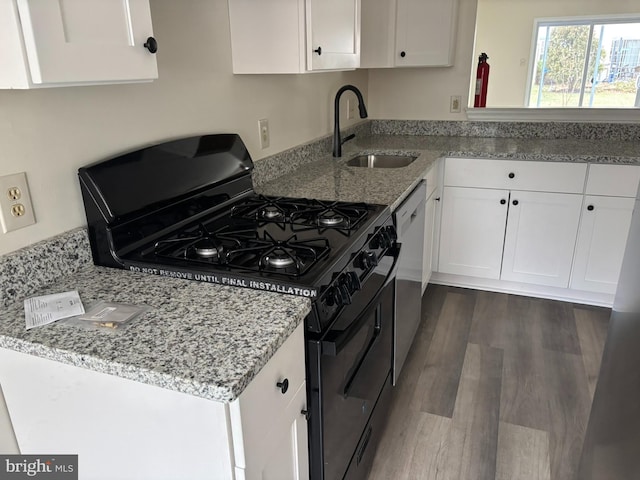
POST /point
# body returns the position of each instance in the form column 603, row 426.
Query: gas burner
column 275, row 210
column 206, row 248
column 330, row 219
column 278, row 259
column 291, row 257
column 271, row 212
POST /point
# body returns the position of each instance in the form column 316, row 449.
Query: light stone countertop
column 328, row 178
column 208, row 340
column 197, row 338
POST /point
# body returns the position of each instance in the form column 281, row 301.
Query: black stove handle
column 333, row 347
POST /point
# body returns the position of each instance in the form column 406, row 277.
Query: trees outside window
column 586, row 63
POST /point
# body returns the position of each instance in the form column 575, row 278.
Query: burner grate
column 303, row 212
column 291, row 257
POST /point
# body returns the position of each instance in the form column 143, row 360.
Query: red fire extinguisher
column 482, row 81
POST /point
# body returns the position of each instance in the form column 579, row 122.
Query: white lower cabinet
column 283, row 453
column 540, row 237
column 268, row 427
column 548, row 229
column 121, row 428
column 472, row 231
column 602, row 239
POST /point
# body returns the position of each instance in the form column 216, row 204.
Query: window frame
column 588, row 20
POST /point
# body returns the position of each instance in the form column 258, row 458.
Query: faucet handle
column 347, row 138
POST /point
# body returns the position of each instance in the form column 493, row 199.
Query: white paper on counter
column 46, row 309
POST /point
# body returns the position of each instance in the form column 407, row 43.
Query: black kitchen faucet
column 337, row 142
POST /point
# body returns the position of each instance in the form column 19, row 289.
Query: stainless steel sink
column 380, row 161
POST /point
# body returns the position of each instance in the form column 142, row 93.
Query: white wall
column 424, row 93
column 505, row 32
column 49, row 133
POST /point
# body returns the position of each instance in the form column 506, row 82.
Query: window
column 586, row 63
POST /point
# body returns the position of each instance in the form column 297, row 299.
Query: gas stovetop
column 264, row 242
column 187, row 209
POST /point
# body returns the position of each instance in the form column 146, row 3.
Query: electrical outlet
column 16, row 210
column 351, row 108
column 263, row 126
column 454, row 106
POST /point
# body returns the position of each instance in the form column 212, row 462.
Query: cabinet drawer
column 515, row 175
column 262, row 402
column 613, row 180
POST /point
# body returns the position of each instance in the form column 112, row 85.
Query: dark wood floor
column 496, row 386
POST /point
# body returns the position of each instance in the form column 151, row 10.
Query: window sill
column 582, row 115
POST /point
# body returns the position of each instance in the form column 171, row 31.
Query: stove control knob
column 352, row 282
column 386, row 238
column 366, row 260
column 380, row 240
column 343, row 293
column 392, row 233
column 330, row 297
column 373, row 258
column 376, row 242
column 361, row 262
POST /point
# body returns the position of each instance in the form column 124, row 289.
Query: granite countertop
column 197, row 338
column 209, row 340
column 328, row 178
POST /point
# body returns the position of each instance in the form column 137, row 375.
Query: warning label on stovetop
column 228, row 280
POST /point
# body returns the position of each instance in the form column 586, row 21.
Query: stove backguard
column 141, row 195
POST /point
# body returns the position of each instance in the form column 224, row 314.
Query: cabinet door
column 333, row 34
column 377, row 33
column 540, row 237
column 472, row 231
column 602, row 239
column 425, row 33
column 285, row 454
column 120, row 428
column 78, row 41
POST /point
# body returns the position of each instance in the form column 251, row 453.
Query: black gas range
column 187, row 209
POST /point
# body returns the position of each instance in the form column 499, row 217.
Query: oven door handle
column 334, row 347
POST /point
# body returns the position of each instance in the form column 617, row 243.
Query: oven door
column 349, row 365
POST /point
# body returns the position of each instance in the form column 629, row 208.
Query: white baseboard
column 525, row 289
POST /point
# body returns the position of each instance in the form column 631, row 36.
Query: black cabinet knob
column 403, row 54
column 503, row 201
column 590, row 208
column 318, row 50
column 151, row 45
column 283, row 385
column 305, row 413
column 515, row 202
column 437, row 199
column 512, row 175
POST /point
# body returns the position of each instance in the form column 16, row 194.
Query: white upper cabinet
column 294, row 36
column 49, row 43
column 408, row 33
